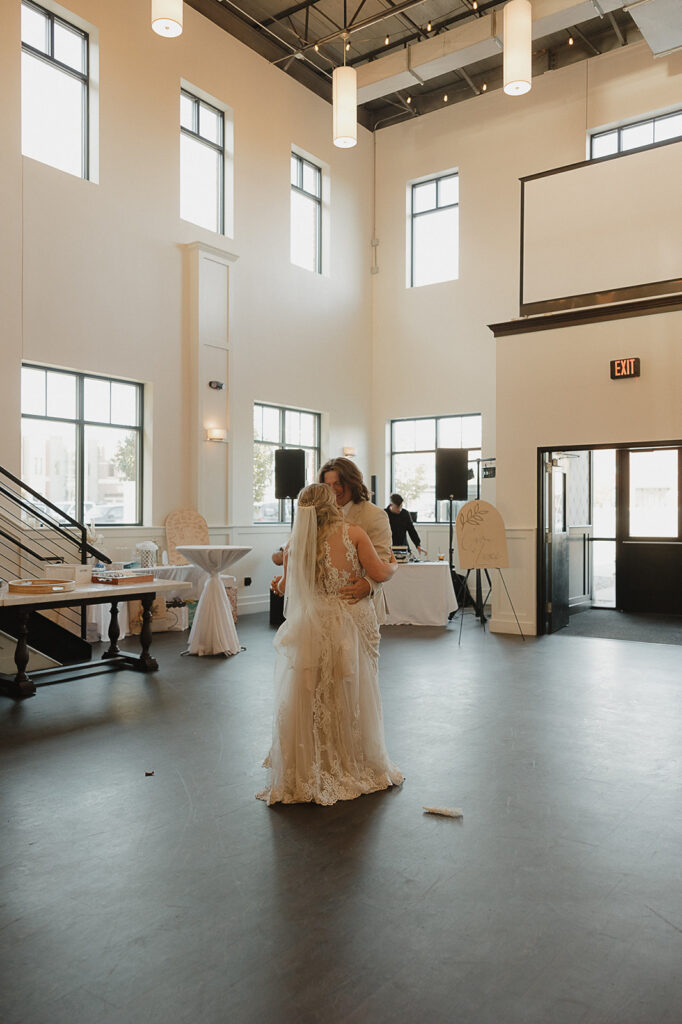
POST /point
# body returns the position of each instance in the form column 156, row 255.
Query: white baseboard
column 507, row 626
column 253, row 603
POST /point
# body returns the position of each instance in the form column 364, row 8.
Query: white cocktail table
column 420, row 594
column 213, row 630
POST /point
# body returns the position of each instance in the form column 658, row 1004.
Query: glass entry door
column 649, row 530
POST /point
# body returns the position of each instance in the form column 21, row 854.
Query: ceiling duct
column 471, row 42
column 660, row 22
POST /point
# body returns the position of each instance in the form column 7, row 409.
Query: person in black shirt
column 401, row 524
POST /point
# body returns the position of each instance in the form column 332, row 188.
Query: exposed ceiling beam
column 288, row 12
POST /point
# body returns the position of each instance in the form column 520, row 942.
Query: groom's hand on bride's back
column 355, row 590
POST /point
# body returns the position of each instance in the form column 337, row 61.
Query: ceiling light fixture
column 387, row 40
column 484, row 87
column 408, row 99
column 347, row 47
column 517, row 58
column 445, row 98
column 345, row 107
column 317, row 49
column 167, row 17
column 570, row 40
column 474, row 5
column 428, row 27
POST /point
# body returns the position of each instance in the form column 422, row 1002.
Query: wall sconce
column 348, row 451
column 216, row 434
column 167, row 17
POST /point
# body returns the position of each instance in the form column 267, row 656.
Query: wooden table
column 23, row 685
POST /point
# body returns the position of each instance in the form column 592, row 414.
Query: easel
column 479, row 602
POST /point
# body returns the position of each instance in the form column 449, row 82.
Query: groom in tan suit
column 352, row 497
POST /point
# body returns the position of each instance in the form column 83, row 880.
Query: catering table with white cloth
column 213, row 629
column 420, row 594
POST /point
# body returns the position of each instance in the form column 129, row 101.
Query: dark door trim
column 542, row 454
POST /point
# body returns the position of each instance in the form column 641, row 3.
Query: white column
column 208, row 336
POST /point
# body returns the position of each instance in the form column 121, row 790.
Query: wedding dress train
column 328, row 733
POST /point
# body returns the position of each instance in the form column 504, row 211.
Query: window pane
column 653, row 494
column 414, row 477
column 61, row 395
column 210, row 126
column 52, row 105
column 270, row 428
column 32, row 391
column 448, row 190
column 424, row 197
column 187, row 105
column 34, row 29
column 69, row 47
column 199, row 183
column 472, row 428
column 265, row 505
column 450, row 432
column 292, row 428
column 295, row 164
column 304, row 231
column 604, row 145
column 604, row 573
column 311, row 466
column 604, row 493
column 48, row 459
column 413, row 435
column 637, row 135
column 96, row 400
column 435, row 247
column 311, row 179
column 124, row 404
column 111, row 462
column 308, row 432
column 667, row 127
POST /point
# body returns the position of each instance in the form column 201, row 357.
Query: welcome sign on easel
column 481, row 537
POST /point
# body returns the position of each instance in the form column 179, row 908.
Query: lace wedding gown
column 328, row 733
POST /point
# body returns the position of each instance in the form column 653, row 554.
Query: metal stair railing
column 35, row 533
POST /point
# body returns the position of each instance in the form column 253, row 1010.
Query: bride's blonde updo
column 322, row 498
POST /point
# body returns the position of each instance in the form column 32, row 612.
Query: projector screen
column 603, row 231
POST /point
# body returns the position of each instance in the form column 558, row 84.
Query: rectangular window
column 54, row 90
column 202, row 163
column 276, row 427
column 306, row 214
column 433, row 230
column 638, row 135
column 81, row 444
column 413, row 460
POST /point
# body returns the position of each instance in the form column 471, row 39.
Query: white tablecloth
column 187, row 574
column 420, row 594
column 213, row 629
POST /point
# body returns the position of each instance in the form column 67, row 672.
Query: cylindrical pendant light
column 167, row 17
column 518, row 17
column 345, row 107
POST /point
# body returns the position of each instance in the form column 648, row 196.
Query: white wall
column 105, row 284
column 434, row 353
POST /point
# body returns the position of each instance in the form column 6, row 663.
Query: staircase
column 35, row 534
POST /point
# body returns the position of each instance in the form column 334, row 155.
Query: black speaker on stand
column 289, row 480
column 452, row 484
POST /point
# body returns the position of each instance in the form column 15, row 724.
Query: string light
column 428, row 27
column 317, row 49
column 474, row 5
column 408, row 99
column 386, row 41
column 570, row 40
column 445, row 98
column 347, row 47
column 484, row 87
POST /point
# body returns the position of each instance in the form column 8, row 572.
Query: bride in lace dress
column 328, row 732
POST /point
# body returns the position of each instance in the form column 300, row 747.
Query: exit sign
column 624, row 368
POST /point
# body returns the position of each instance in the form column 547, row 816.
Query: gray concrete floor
column 179, row 898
